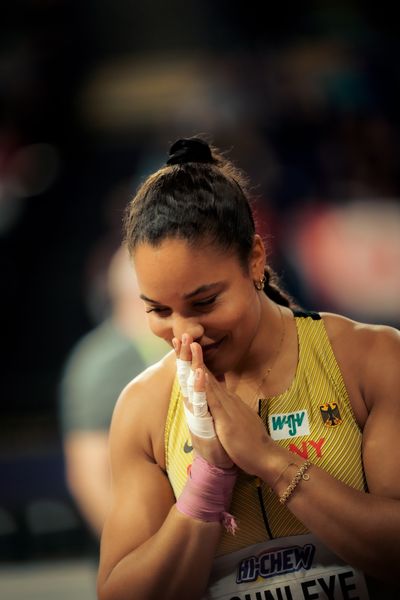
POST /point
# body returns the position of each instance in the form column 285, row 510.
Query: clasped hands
column 231, row 433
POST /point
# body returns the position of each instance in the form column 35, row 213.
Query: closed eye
column 156, row 309
column 163, row 310
column 206, row 302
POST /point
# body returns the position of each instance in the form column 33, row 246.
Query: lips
column 209, row 348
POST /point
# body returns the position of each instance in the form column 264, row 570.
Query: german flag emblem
column 330, row 414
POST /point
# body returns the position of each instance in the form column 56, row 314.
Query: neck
column 266, row 347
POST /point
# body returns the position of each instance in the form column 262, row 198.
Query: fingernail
column 185, row 338
column 192, row 347
column 174, row 343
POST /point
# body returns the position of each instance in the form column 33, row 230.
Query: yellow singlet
column 313, row 418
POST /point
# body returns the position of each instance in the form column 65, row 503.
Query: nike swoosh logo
column 187, row 448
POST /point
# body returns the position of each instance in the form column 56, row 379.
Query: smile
column 209, row 348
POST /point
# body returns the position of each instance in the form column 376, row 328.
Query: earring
column 259, row 285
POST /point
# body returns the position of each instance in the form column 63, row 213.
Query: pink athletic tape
column 207, row 493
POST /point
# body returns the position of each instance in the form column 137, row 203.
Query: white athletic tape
column 199, row 403
column 183, row 371
column 203, row 427
column 200, row 421
column 190, row 385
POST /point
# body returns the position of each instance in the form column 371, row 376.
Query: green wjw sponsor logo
column 288, row 425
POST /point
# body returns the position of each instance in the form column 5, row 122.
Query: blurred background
column 306, row 101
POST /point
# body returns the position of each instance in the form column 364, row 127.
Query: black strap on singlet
column 307, row 313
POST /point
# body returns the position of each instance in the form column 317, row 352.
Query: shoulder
column 367, row 337
column 372, row 352
column 141, row 410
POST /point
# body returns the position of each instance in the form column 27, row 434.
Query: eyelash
column 154, row 309
column 199, row 304
column 206, row 302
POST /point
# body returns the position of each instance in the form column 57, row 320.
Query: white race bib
column 292, row 568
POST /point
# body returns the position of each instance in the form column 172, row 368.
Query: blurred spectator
column 97, row 369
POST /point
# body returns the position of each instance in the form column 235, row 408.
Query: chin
column 215, row 366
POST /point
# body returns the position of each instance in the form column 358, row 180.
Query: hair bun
column 189, row 150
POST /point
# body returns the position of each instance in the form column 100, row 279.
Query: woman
column 286, row 484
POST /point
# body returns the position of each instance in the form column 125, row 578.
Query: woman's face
column 202, row 292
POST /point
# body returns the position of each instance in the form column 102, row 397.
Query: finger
column 197, row 355
column 177, row 346
column 197, row 362
column 183, row 372
column 200, row 380
column 183, row 363
column 199, row 397
column 212, row 382
column 185, row 352
column 215, row 394
column 200, row 422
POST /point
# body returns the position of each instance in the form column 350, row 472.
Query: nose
column 191, row 326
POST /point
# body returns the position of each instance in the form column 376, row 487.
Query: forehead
column 176, row 268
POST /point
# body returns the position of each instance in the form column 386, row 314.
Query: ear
column 257, row 258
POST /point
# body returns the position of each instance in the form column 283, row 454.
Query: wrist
column 296, row 478
column 284, row 472
column 207, row 493
column 275, row 461
column 195, row 523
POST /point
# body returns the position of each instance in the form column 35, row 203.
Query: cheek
column 244, row 323
column 239, row 315
column 157, row 326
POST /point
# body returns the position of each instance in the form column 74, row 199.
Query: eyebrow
column 200, row 290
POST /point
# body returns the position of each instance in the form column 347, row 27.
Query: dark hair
column 198, row 194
